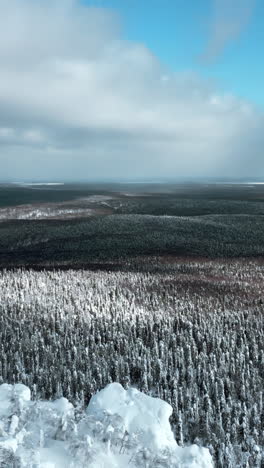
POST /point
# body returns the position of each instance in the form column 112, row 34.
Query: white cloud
column 76, row 100
column 6, row 133
column 229, row 18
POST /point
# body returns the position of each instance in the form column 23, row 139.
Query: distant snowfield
column 135, row 194
column 251, row 183
column 254, row 183
column 120, row 429
column 43, row 212
column 96, row 198
column 33, row 184
column 81, row 207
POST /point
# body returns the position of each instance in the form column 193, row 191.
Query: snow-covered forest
column 192, row 337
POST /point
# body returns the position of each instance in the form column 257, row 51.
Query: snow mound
column 120, row 428
column 139, row 413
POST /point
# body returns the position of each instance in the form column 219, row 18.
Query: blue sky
column 177, row 31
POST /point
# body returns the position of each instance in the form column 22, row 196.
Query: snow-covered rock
column 120, row 428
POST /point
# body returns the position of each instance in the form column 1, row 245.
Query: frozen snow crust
column 120, row 428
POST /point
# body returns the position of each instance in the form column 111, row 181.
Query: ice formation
column 120, row 428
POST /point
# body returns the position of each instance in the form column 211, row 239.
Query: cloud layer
column 229, row 18
column 78, row 101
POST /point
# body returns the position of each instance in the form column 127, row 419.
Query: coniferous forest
column 191, row 335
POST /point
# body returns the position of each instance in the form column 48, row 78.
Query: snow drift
column 120, row 428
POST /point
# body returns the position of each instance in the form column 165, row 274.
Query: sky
column 125, row 89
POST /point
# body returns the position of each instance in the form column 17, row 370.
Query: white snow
column 43, row 212
column 96, row 198
column 33, row 184
column 120, row 428
column 139, row 412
